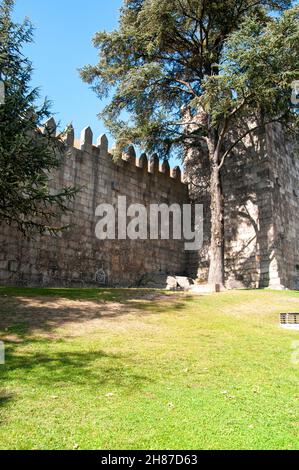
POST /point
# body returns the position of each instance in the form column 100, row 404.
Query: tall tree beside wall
column 26, row 156
column 185, row 73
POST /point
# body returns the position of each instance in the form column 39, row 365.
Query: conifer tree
column 26, row 155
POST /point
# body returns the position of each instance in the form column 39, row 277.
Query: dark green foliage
column 26, row 156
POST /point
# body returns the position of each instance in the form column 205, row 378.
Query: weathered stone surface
column 77, row 257
column 206, row 288
column 143, row 162
column 154, row 164
column 130, row 155
column 176, row 173
column 154, row 281
column 69, row 135
column 165, row 168
column 261, row 222
column 102, row 143
column 164, row 281
column 86, row 137
column 50, row 127
column 172, row 283
column 184, row 282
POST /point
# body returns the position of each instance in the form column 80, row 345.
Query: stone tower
column 261, row 203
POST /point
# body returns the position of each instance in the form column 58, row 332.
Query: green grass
column 139, row 372
column 77, row 294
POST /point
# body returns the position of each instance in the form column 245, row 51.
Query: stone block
column 184, row 282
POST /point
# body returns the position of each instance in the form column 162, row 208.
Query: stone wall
column 261, row 193
column 77, row 257
column 261, row 188
column 284, row 168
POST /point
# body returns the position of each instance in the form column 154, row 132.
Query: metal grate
column 289, row 320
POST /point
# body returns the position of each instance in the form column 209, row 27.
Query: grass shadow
column 5, row 398
column 24, row 311
column 59, row 364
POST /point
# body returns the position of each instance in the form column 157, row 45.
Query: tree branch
column 243, row 137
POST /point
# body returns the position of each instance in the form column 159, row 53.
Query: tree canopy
column 166, row 56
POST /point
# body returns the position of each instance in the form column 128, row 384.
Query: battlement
column 85, row 144
column 261, row 222
column 77, row 256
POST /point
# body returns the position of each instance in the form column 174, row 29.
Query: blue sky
column 63, row 43
column 63, row 34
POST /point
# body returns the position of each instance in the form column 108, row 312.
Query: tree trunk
column 216, row 271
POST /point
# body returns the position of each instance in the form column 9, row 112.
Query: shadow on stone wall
column 252, row 242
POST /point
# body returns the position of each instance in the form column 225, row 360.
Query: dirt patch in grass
column 44, row 314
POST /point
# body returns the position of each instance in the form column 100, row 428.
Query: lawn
column 136, row 369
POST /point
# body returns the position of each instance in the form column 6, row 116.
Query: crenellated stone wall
column 261, row 201
column 77, row 257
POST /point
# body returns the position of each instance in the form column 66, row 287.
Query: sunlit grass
column 181, row 372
